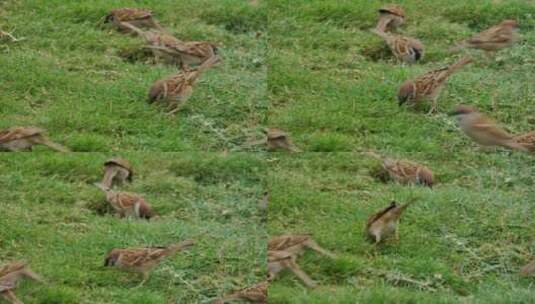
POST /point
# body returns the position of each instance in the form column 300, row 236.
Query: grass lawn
column 87, row 84
column 332, row 85
column 53, row 217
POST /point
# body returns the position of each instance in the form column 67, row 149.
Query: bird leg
column 301, row 274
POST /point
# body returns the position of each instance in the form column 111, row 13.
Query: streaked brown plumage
column 494, row 38
column 281, row 260
column 385, row 222
column 406, row 49
column 10, row 275
column 177, row 89
column 403, row 171
column 277, row 139
column 253, row 294
column 390, row 17
column 296, row 244
column 24, row 138
column 484, row 130
column 527, row 140
column 428, row 85
column 189, row 53
column 143, row 259
column 529, row 269
column 116, row 172
column 137, row 17
column 127, row 204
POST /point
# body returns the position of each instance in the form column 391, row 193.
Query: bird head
column 462, row 110
column 406, row 92
column 111, row 258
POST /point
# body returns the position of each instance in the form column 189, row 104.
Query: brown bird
column 176, row 90
column 10, row 275
column 142, row 260
column 527, row 140
column 296, row 244
column 390, row 17
column 24, row 138
column 385, row 222
column 127, row 204
column 253, row 294
column 277, row 139
column 189, row 53
column 494, row 38
column 116, row 172
column 406, row 49
column 281, row 260
column 137, row 17
column 528, row 269
column 428, row 85
column 403, row 171
column 484, row 130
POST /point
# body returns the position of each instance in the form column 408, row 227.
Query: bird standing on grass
column 116, row 172
column 493, row 39
column 390, row 17
column 10, row 275
column 127, row 204
column 406, row 49
column 253, row 294
column 137, row 17
column 428, row 85
column 177, row 89
column 16, row 139
column 484, row 130
column 385, row 222
column 142, row 260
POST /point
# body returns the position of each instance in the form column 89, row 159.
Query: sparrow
column 117, row 171
column 253, row 294
column 137, row 17
column 277, row 139
column 127, row 204
column 142, row 260
column 527, row 140
column 428, row 85
column 403, row 171
column 10, row 275
column 528, row 269
column 484, row 130
column 177, row 89
column 157, row 41
column 406, row 49
column 281, row 260
column 296, row 244
column 16, row 139
column 390, row 16
column 385, row 222
column 189, row 53
column 494, row 38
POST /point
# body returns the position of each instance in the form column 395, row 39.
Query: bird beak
column 402, row 100
column 453, row 113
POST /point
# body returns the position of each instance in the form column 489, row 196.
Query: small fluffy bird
column 403, row 171
column 493, row 39
column 527, row 140
column 277, row 139
column 127, row 204
column 528, row 269
column 116, row 172
column 406, row 49
column 177, row 89
column 296, row 244
column 484, row 130
column 385, row 222
column 137, row 17
column 144, row 259
column 428, row 85
column 10, row 275
column 253, row 294
column 281, row 260
column 390, row 17
column 16, row 139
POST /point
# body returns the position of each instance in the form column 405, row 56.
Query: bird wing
column 492, row 130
